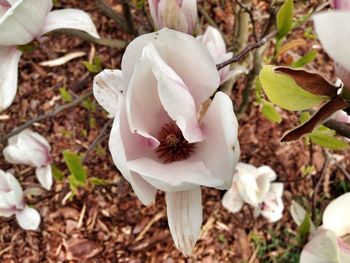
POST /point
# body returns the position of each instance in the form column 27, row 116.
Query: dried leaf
column 82, row 249
column 62, row 60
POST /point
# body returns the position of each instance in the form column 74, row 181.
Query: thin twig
column 108, row 11
column 248, row 10
column 100, row 137
column 46, row 116
column 128, row 18
column 342, row 169
column 341, row 128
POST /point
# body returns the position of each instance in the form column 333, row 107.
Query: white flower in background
column 32, row 149
column 253, row 185
column 298, row 214
column 21, row 21
column 330, row 243
column 332, row 28
column 12, row 203
column 180, row 15
column 341, row 116
column 216, row 46
column 162, row 137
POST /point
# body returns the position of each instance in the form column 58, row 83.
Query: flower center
column 173, row 146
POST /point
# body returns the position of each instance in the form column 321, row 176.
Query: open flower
column 180, row 15
column 167, row 134
column 216, row 46
column 32, row 149
column 334, row 33
column 21, row 21
column 330, row 242
column 12, row 203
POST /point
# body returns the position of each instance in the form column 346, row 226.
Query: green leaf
column 258, row 90
column 65, row 95
column 98, row 181
column 328, row 141
column 30, row 47
column 283, row 91
column 304, row 229
column 285, row 19
column 75, row 166
column 269, row 112
column 306, row 59
column 57, row 173
column 94, row 67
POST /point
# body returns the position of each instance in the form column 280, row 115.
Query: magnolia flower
column 180, row 15
column 333, row 31
column 341, row 116
column 167, row 134
column 21, row 21
column 12, row 203
column 330, row 242
column 216, row 46
column 32, row 149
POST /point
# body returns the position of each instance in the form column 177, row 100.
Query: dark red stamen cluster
column 173, row 146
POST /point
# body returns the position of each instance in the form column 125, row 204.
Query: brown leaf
column 311, row 82
column 319, row 117
column 82, row 249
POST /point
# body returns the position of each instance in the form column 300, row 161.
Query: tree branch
column 108, row 11
column 341, row 128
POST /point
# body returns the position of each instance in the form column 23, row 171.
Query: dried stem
column 108, row 11
column 128, row 18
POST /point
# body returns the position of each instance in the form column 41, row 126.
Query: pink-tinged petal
column 184, row 54
column 69, row 19
column 189, row 8
column 153, row 7
column 267, row 171
column 4, row 187
column 171, row 16
column 232, row 200
column 4, row 6
column 145, row 112
column 107, row 87
column 12, row 2
column 9, row 57
column 44, row 175
column 184, row 210
column 220, row 150
column 341, row 116
column 341, row 4
column 23, row 21
column 175, row 97
column 227, row 74
column 214, row 42
column 28, row 218
column 333, row 30
column 14, row 187
column 177, row 176
column 272, row 206
column 344, row 251
column 337, row 214
column 343, row 74
column 123, row 144
column 322, row 248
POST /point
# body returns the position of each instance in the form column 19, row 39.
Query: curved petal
column 171, row 16
column 189, row 8
column 184, row 54
column 266, row 170
column 341, row 4
column 297, row 212
column 334, row 34
column 153, row 7
column 232, row 200
column 23, row 21
column 341, row 116
column 28, row 218
column 322, row 248
column 175, row 97
column 177, row 176
column 184, row 210
column 337, row 214
column 122, row 143
column 107, row 87
column 44, row 175
column 272, row 207
column 220, row 150
column 69, row 19
column 215, row 43
column 4, row 6
column 16, row 188
column 9, row 58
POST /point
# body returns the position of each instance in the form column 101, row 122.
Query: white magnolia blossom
column 32, row 149
column 12, row 203
column 163, row 138
column 216, row 46
column 254, row 186
column 22, row 21
column 180, row 15
column 332, row 28
column 330, row 243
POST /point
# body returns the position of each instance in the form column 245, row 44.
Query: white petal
column 153, row 7
column 171, row 16
column 175, row 97
column 322, row 248
column 337, row 214
column 272, row 207
column 69, row 19
column 220, row 150
column 122, row 143
column 232, row 74
column 15, row 187
column 267, row 170
column 215, row 43
column 341, row 116
column 28, row 218
column 298, row 212
column 342, row 74
column 189, row 8
column 184, row 210
column 333, row 29
column 9, row 58
column 4, row 6
column 44, row 175
column 184, row 54
column 23, row 21
column 232, row 201
column 107, row 87
column 176, row 176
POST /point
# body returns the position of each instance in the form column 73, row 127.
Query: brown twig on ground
column 46, row 116
column 108, row 11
